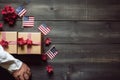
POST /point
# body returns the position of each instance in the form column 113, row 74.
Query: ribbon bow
column 4, row 43
column 22, row 42
column 29, row 42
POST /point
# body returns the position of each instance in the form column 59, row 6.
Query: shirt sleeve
column 9, row 62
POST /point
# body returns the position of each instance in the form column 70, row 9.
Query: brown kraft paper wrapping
column 11, row 38
column 35, row 37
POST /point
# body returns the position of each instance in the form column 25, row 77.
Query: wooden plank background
column 85, row 32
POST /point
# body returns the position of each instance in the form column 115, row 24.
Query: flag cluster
column 28, row 21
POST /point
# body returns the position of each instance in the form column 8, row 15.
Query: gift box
column 29, row 43
column 9, row 41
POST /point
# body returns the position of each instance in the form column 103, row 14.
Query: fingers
column 28, row 68
column 26, row 76
column 28, row 72
column 23, row 73
column 16, row 77
column 21, row 77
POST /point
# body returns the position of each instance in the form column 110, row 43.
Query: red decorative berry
column 49, row 69
column 44, row 57
column 1, row 25
column 47, row 41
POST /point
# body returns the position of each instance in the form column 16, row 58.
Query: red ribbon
column 4, row 43
column 27, row 42
column 22, row 42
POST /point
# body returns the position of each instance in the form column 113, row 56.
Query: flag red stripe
column 30, row 22
column 22, row 12
column 51, row 54
column 44, row 30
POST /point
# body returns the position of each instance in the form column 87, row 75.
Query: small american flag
column 44, row 29
column 52, row 52
column 28, row 21
column 21, row 11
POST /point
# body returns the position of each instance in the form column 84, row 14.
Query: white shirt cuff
column 9, row 62
column 15, row 66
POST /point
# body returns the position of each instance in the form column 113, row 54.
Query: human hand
column 23, row 73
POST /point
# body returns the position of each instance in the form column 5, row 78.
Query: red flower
column 4, row 43
column 44, row 57
column 47, row 41
column 14, row 16
column 49, row 69
column 11, row 10
column 3, row 12
column 7, row 19
column 8, row 9
column 11, row 22
column 21, row 41
column 1, row 25
column 9, row 14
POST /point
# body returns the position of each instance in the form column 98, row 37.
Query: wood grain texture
column 92, row 40
column 85, row 32
column 69, row 9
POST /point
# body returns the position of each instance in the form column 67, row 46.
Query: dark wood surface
column 85, row 32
